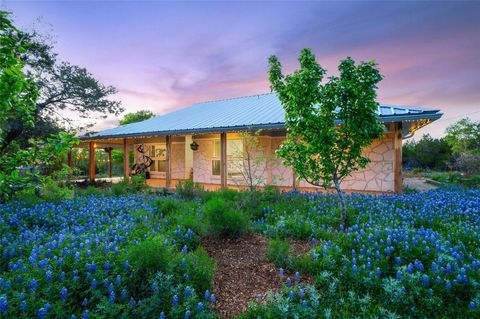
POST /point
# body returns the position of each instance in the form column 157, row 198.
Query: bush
column 188, row 189
column 223, row 221
column 120, row 188
column 150, row 257
column 166, row 206
column 277, row 253
column 201, row 269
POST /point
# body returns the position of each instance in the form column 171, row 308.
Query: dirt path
column 418, row 183
column 242, row 272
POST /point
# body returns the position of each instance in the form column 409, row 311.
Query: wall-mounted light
column 194, row 146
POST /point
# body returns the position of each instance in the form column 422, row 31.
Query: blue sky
column 165, row 55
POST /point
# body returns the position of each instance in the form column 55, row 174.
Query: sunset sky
column 165, row 55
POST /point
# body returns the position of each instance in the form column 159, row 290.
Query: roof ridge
column 232, row 98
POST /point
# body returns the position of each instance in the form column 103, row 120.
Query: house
column 201, row 142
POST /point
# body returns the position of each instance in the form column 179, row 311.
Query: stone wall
column 378, row 176
column 178, row 160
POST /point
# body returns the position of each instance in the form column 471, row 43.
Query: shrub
column 120, row 188
column 137, row 183
column 150, row 257
column 188, row 189
column 277, row 253
column 223, row 221
column 200, row 269
column 166, row 206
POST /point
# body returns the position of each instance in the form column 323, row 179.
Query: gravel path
column 418, row 183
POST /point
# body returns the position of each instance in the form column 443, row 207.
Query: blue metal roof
column 262, row 111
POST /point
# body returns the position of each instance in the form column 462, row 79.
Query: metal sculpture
column 141, row 168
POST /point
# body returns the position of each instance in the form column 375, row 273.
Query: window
column 234, row 157
column 216, row 158
column 157, row 152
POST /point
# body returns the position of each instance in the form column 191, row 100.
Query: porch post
column 223, row 160
column 294, row 179
column 69, row 159
column 126, row 159
column 168, row 171
column 397, row 162
column 110, row 162
column 91, row 173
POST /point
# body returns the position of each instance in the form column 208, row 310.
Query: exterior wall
column 378, row 176
column 178, row 161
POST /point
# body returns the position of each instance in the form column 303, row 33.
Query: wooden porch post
column 223, row 160
column 69, row 159
column 91, row 173
column 294, row 179
column 168, row 171
column 110, row 162
column 397, row 162
column 126, row 159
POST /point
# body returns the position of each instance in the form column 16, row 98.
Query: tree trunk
column 343, row 204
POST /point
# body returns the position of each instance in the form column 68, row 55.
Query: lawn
column 143, row 256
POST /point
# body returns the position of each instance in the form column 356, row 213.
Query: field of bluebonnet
column 140, row 255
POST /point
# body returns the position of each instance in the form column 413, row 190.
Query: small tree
column 250, row 162
column 327, row 124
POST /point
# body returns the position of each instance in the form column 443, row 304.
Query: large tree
column 463, row 136
column 135, row 117
column 66, row 92
column 328, row 124
column 18, row 102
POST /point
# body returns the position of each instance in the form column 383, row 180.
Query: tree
column 428, row 152
column 249, row 161
column 327, row 124
column 134, row 117
column 464, row 136
column 62, row 89
column 18, row 96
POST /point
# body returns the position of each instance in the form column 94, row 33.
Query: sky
column 162, row 56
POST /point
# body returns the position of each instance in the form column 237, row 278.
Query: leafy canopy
column 135, row 117
column 328, row 124
column 464, row 136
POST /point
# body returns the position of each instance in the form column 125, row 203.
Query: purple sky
column 165, row 55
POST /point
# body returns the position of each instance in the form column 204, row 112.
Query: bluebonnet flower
column 378, row 272
column 162, row 315
column 93, row 283
column 206, row 295
column 200, row 307
column 448, row 284
column 301, row 293
column 184, row 250
column 425, row 280
column 297, row 277
column 48, row 275
column 399, row 275
column 472, row 305
column 280, row 272
column 304, row 304
column 85, row 314
column 131, row 303
column 119, row 280
column 123, row 294
column 42, row 313
column 187, row 314
column 187, row 292
column 3, row 304
column 111, row 297
column 175, row 300
column 289, row 282
column 84, row 302
column 107, row 266
column 63, row 293
column 291, row 295
column 212, row 298
column 23, row 305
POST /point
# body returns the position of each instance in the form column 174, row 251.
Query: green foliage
column 464, row 136
column 135, row 117
column 319, row 149
column 188, row 189
column 167, row 206
column 201, row 269
column 151, row 256
column 223, row 220
column 278, row 253
column 427, row 153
